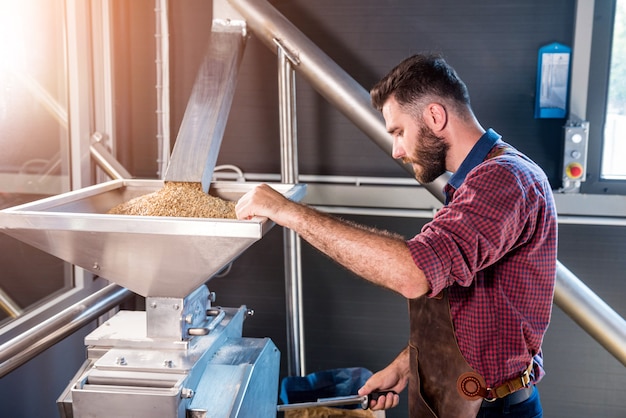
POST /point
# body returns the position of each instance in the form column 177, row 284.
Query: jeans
column 530, row 408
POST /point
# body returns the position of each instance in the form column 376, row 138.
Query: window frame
column 597, row 97
column 90, row 104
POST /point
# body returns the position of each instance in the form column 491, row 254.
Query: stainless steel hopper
column 158, row 256
column 152, row 256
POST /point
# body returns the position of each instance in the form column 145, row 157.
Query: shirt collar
column 476, row 156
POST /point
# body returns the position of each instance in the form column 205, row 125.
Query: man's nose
column 397, row 151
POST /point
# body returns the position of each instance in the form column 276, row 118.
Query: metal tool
column 364, row 401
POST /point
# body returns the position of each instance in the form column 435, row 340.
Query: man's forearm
column 378, row 256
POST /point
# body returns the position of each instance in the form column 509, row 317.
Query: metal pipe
column 289, row 174
column 105, row 160
column 352, row 100
column 287, row 116
column 9, row 305
column 80, row 92
column 27, row 345
column 590, row 312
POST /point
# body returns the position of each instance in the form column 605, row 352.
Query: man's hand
column 263, row 200
column 393, row 378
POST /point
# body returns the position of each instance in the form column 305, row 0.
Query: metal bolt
column 186, row 393
column 96, row 266
column 250, row 312
column 213, row 311
column 168, row 363
column 188, row 318
column 196, row 413
column 153, row 305
column 176, row 306
column 121, row 361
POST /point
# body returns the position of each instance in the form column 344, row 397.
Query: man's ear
column 436, row 116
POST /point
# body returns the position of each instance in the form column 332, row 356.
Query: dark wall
column 492, row 44
column 583, row 379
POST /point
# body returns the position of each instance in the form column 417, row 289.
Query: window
column 34, row 138
column 606, row 104
column 53, row 66
column 614, row 152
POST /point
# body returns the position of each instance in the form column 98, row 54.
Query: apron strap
column 437, row 363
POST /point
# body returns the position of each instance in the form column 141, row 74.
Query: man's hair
column 419, row 80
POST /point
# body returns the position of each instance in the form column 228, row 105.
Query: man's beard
column 429, row 156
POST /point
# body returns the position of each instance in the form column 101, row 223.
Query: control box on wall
column 575, row 155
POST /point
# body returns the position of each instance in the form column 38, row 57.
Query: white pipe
column 162, row 86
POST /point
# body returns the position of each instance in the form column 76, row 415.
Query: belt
column 471, row 385
column 512, row 385
column 510, row 399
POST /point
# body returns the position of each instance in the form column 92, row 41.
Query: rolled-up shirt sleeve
column 488, row 217
column 433, row 258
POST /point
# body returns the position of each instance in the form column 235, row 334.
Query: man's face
column 415, row 143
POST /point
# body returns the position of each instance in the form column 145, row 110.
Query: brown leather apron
column 436, row 362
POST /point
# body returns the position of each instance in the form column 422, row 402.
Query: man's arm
column 378, row 256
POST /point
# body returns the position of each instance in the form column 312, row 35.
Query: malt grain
column 179, row 199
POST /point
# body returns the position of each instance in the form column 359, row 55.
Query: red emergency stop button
column 574, row 170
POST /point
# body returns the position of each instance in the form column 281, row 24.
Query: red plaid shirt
column 494, row 246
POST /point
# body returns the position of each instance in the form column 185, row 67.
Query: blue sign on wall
column 552, row 81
